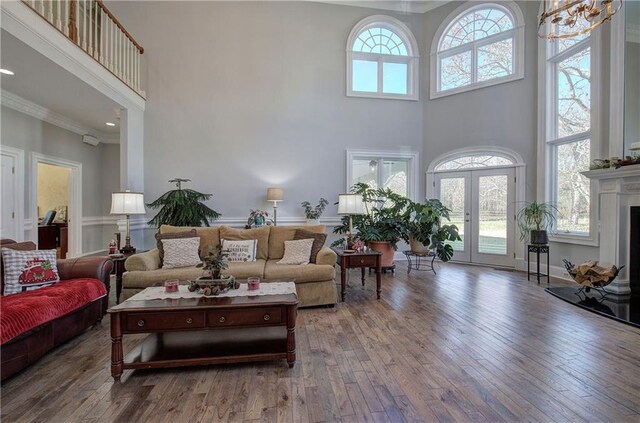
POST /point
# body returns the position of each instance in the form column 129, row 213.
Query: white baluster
column 58, row 15
column 96, row 46
column 89, row 16
column 41, row 7
column 50, row 11
column 84, row 25
column 65, row 18
column 102, row 52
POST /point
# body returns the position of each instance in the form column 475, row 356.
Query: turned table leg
column 116, row 347
column 378, row 276
column 362, row 274
column 343, row 282
column 291, row 335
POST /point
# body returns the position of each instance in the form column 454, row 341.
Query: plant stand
column 420, row 261
column 538, row 249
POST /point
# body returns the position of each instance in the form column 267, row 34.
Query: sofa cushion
column 147, row 278
column 318, row 241
column 261, row 234
column 280, row 234
column 27, row 310
column 172, row 235
column 300, row 273
column 209, row 235
column 297, row 252
column 181, row 252
column 28, row 270
column 243, row 270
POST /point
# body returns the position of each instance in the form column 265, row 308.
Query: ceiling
column 41, row 81
column 407, row 6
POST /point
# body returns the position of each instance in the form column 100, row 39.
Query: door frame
column 18, row 196
column 75, row 198
column 520, row 170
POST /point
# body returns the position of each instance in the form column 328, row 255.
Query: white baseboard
column 558, row 272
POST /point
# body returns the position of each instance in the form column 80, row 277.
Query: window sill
column 476, row 86
column 382, row 96
column 587, row 240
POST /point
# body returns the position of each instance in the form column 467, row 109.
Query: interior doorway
column 57, row 204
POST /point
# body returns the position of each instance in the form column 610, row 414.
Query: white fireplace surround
column 619, row 190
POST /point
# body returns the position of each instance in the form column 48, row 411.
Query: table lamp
column 275, row 195
column 127, row 203
column 349, row 205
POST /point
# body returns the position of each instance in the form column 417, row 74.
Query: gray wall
column 33, row 135
column 243, row 96
column 631, row 95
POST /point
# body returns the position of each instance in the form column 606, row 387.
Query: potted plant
column 215, row 283
column 534, row 219
column 425, row 231
column 383, row 224
column 214, row 262
column 182, row 207
column 258, row 218
column 313, row 213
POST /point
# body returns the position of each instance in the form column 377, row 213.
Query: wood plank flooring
column 468, row 345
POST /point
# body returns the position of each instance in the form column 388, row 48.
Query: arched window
column 474, row 161
column 382, row 60
column 478, row 45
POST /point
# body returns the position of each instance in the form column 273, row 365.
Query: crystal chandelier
column 569, row 18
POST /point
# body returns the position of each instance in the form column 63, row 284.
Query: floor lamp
column 127, row 203
column 350, row 205
column 275, row 195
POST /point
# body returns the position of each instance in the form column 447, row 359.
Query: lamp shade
column 275, row 194
column 350, row 204
column 127, row 203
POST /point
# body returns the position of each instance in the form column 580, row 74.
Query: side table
column 538, row 249
column 118, row 270
column 420, row 261
column 360, row 260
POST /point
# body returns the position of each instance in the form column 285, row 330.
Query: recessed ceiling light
column 111, row 124
column 6, row 72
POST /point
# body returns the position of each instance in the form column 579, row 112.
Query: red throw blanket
column 25, row 311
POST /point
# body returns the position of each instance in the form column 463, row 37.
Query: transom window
column 384, row 169
column 481, row 45
column 471, row 162
column 382, row 60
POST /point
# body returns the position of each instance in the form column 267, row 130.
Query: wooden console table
column 362, row 260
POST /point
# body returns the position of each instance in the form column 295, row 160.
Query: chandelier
column 569, row 18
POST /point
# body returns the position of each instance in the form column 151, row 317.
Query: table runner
column 266, row 288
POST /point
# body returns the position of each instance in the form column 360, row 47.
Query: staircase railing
column 90, row 25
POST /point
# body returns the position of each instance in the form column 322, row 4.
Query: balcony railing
column 90, row 25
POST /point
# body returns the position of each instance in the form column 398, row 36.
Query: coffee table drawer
column 362, row 261
column 259, row 316
column 144, row 322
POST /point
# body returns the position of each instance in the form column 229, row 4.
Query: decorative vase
column 313, row 221
column 386, row 249
column 259, row 221
column 417, row 246
column 539, row 237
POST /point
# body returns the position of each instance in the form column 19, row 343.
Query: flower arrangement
column 314, row 213
column 614, row 162
column 258, row 218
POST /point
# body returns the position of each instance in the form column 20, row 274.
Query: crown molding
column 405, row 6
column 22, row 105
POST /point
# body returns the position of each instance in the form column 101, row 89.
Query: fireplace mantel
column 619, row 190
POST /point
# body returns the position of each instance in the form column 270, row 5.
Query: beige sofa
column 315, row 283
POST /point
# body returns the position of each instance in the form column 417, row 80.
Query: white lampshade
column 275, row 194
column 127, row 203
column 350, row 204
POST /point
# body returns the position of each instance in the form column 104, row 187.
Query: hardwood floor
column 470, row 344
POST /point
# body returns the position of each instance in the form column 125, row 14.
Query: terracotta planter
column 386, row 249
column 417, row 246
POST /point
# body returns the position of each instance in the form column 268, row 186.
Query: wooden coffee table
column 206, row 330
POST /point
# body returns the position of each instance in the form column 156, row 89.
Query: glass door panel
column 492, row 214
column 453, row 191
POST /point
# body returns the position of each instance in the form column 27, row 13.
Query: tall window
column 380, row 169
column 569, row 85
column 382, row 60
column 479, row 45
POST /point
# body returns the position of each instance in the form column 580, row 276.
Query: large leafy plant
column 424, row 224
column 384, row 218
column 182, row 207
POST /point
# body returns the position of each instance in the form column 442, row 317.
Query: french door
column 483, row 208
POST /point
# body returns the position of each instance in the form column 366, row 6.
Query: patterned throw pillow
column 171, row 235
column 28, row 270
column 240, row 250
column 180, row 252
column 318, row 241
column 297, row 252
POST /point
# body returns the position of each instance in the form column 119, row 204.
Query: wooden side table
column 538, row 249
column 360, row 260
column 118, row 270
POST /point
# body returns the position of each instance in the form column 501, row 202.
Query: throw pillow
column 297, row 252
column 240, row 250
column 28, row 270
column 261, row 234
column 318, row 241
column 181, row 252
column 174, row 235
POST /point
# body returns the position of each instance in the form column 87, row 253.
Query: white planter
column 313, row 221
